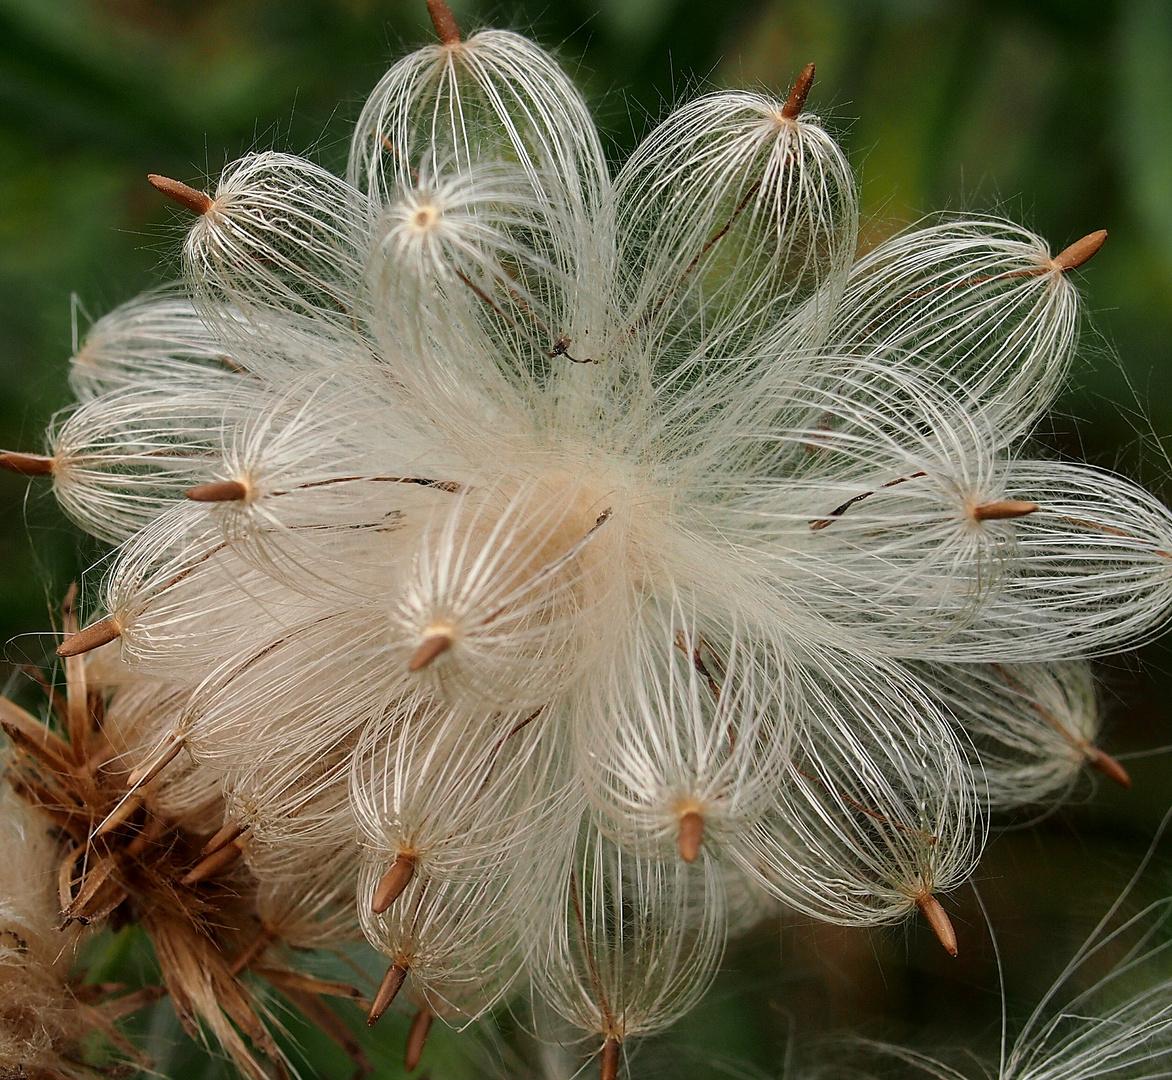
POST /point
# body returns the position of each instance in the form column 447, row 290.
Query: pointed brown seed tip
column 432, row 646
column 387, row 990
column 146, row 773
column 393, row 882
column 228, row 832
column 26, row 464
column 1080, row 251
column 796, row 102
column 119, row 815
column 939, row 921
column 92, row 637
column 213, row 864
column 417, row 1038
column 691, row 836
column 445, row 25
column 1003, row 509
column 1108, row 766
column 198, row 202
column 217, row 491
column 610, row 1058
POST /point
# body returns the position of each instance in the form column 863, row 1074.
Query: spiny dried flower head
column 570, row 560
column 95, row 840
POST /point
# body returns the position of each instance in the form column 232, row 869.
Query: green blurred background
column 1057, row 113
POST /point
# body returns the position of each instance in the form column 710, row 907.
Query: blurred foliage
column 1057, row 113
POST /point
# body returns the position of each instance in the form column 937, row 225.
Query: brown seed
column 33, row 737
column 198, row 202
column 417, row 1038
column 213, row 864
column 1003, row 509
column 691, row 836
column 393, row 882
column 151, row 832
column 255, row 949
column 390, row 986
column 26, row 464
column 610, row 1058
column 77, row 697
column 144, row 774
column 92, row 880
column 228, row 832
column 939, row 921
column 217, row 491
column 307, row 984
column 1108, row 766
column 65, row 878
column 796, row 101
column 431, row 647
column 120, row 815
column 443, row 21
column 92, row 637
column 1080, row 251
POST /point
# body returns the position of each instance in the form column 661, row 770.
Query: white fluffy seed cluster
column 579, row 565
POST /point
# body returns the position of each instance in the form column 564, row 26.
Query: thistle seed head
column 540, row 574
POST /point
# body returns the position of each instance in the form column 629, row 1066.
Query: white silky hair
column 306, row 907
column 458, row 939
column 281, row 233
column 477, row 488
column 126, row 456
column 872, row 816
column 157, row 338
column 964, row 295
column 1032, row 727
column 138, row 714
column 523, row 582
column 631, row 943
column 498, row 97
column 463, row 796
column 784, row 195
column 28, row 887
column 700, row 728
